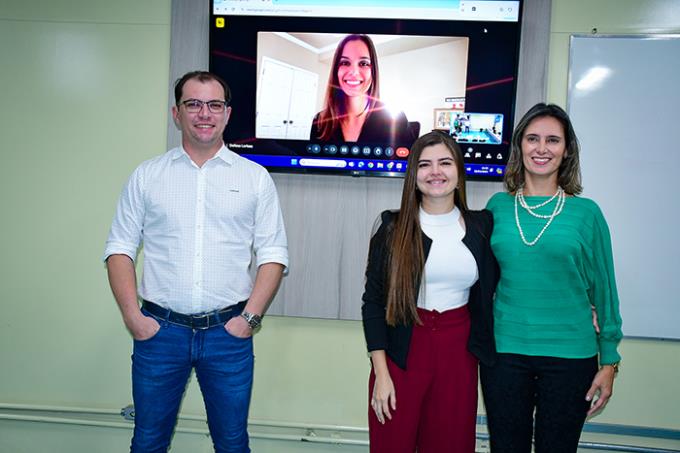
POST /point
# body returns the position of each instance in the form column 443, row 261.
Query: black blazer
column 396, row 340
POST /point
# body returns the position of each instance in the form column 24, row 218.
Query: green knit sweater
column 543, row 298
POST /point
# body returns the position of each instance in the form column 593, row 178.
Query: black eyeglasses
column 195, row 105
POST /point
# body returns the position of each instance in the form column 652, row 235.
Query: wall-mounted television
column 346, row 86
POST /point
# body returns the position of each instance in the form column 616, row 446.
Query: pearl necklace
column 519, row 197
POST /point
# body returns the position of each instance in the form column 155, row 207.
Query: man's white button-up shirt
column 199, row 228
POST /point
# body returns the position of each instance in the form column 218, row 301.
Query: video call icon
column 330, row 149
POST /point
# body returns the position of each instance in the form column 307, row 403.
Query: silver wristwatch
column 254, row 321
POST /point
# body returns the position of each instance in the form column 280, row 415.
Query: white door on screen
column 286, row 97
column 273, row 95
column 302, row 104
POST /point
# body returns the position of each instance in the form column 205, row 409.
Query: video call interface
column 298, row 67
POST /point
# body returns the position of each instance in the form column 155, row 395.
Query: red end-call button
column 402, row 151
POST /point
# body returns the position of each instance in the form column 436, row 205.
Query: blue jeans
column 161, row 367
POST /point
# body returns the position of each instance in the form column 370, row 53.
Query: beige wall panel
column 112, row 12
column 559, row 69
column 84, row 105
column 616, row 16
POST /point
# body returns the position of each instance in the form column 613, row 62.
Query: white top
column 199, row 227
column 450, row 268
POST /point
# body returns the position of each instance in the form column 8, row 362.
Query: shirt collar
column 176, row 153
column 224, row 153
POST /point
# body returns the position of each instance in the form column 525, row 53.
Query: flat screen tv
column 346, row 86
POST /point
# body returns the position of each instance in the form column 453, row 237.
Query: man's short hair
column 203, row 77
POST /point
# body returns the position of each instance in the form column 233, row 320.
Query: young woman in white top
column 427, row 308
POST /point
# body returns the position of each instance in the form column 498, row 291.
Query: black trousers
column 553, row 387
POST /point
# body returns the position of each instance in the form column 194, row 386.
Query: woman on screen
column 556, row 310
column 352, row 109
column 427, row 308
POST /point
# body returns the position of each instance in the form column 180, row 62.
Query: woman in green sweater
column 556, row 310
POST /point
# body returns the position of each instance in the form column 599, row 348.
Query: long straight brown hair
column 407, row 257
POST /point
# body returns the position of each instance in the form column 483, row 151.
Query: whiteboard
column 624, row 101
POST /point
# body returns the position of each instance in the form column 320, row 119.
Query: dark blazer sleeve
column 375, row 297
column 482, row 342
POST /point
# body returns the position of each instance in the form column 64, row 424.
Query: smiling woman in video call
column 427, row 308
column 352, row 109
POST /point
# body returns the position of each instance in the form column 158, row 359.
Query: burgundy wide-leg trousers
column 436, row 394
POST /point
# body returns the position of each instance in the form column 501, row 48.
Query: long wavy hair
column 407, row 257
column 569, row 173
column 335, row 108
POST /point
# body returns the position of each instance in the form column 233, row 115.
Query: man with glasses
column 201, row 212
